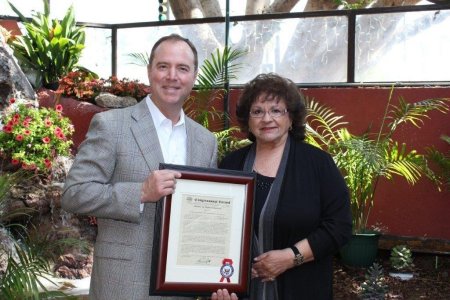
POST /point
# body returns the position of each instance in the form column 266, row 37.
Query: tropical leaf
column 139, row 59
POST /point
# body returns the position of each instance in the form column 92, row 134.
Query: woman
column 302, row 209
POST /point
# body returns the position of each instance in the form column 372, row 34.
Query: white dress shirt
column 172, row 138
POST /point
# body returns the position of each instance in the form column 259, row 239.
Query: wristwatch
column 299, row 258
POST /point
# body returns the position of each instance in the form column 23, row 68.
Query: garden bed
column 431, row 279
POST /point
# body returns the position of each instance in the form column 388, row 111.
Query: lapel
column 195, row 147
column 144, row 132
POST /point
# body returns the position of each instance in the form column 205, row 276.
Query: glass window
column 141, row 40
column 305, row 50
column 96, row 55
column 412, row 46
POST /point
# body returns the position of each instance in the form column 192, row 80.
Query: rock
column 112, row 101
column 12, row 79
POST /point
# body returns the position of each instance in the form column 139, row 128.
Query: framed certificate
column 203, row 234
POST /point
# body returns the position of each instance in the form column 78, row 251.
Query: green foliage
column 364, row 159
column 24, row 275
column 374, row 287
column 215, row 72
column 139, row 59
column 228, row 141
column 50, row 48
column 34, row 137
column 442, row 161
column 401, row 258
column 355, row 5
column 25, row 268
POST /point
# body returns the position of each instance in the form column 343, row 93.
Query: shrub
column 85, row 87
column 32, row 137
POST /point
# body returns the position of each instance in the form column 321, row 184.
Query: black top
column 314, row 204
column 263, row 184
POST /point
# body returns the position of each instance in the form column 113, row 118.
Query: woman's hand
column 269, row 265
column 223, row 295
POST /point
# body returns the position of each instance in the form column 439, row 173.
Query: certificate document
column 204, row 230
column 200, row 230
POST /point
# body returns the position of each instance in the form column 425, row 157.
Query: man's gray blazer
column 120, row 150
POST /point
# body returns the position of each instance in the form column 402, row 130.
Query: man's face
column 172, row 74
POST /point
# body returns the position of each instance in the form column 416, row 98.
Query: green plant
column 401, row 258
column 50, row 48
column 25, row 269
column 364, row 159
column 355, row 5
column 374, row 287
column 214, row 74
column 34, row 137
column 442, row 162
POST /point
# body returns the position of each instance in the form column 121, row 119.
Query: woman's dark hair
column 274, row 86
column 174, row 37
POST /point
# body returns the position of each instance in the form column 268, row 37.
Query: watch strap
column 298, row 257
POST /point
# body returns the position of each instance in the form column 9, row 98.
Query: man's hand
column 159, row 184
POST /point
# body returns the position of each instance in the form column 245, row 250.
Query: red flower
column 48, row 163
column 28, row 167
column 58, row 108
column 12, row 100
column 7, row 129
column 46, row 140
column 27, row 132
column 15, row 161
column 61, row 136
column 48, row 122
column 19, row 137
column 58, row 130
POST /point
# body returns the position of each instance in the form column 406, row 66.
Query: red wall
column 418, row 211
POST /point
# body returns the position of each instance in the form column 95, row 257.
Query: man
column 115, row 174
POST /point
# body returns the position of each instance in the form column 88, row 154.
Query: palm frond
column 24, row 275
column 219, row 68
column 324, row 121
column 139, row 59
column 227, row 141
column 415, row 113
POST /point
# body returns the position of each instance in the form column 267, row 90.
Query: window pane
column 141, row 40
column 304, row 50
column 412, row 46
column 96, row 55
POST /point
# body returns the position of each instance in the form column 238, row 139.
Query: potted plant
column 50, row 48
column 402, row 262
column 364, row 159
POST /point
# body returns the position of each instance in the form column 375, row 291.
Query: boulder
column 112, row 101
column 12, row 79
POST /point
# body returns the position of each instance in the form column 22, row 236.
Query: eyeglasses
column 273, row 112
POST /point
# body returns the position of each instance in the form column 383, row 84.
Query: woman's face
column 267, row 128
